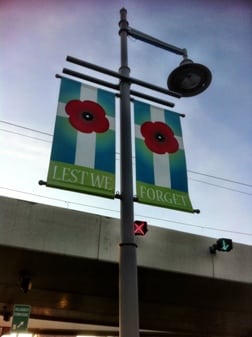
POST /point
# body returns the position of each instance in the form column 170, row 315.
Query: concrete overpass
column 72, row 259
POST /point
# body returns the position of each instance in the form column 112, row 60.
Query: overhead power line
column 191, row 171
column 220, row 178
column 117, row 212
column 21, row 134
column 25, row 128
column 220, row 186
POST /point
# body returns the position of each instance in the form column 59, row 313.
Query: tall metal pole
column 128, row 284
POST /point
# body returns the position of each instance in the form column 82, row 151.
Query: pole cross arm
column 156, row 42
column 112, row 73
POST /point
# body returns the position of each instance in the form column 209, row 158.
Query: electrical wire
column 31, row 137
column 137, row 215
column 117, row 212
column 220, row 186
column 191, row 171
column 220, row 178
column 25, row 128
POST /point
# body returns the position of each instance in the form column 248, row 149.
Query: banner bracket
column 119, row 196
column 197, row 211
column 42, row 182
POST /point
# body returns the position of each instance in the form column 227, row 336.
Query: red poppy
column 87, row 116
column 159, row 137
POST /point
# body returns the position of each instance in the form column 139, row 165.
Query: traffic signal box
column 140, row 227
column 224, row 245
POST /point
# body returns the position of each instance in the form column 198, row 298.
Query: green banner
column 83, row 150
column 163, row 197
column 161, row 175
column 81, row 179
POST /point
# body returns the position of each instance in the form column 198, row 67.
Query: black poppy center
column 160, row 137
column 87, row 116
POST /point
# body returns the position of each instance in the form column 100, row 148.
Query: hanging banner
column 161, row 176
column 83, row 149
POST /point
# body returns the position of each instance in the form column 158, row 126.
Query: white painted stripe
column 180, row 141
column 111, row 122
column 161, row 164
column 88, row 93
column 85, row 149
column 61, row 110
column 86, row 142
column 157, row 114
column 138, row 132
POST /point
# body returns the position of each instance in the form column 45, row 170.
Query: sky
column 36, row 36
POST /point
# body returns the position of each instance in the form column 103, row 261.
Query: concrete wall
column 58, row 230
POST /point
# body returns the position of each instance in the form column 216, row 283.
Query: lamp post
column 128, row 289
column 188, row 79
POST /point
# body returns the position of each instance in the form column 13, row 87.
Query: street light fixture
column 189, row 79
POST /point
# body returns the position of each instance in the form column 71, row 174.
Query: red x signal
column 140, row 227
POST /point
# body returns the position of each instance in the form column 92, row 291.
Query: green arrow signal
column 224, row 245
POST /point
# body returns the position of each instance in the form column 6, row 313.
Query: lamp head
column 189, row 79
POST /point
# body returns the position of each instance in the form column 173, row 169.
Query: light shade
column 189, row 79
